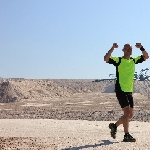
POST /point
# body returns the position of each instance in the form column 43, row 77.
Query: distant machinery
column 142, row 76
column 113, row 76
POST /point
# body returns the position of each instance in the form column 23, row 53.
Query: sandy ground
column 50, row 134
column 68, row 115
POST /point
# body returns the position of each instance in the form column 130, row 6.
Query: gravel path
column 49, row 134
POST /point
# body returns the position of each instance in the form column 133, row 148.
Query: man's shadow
column 102, row 142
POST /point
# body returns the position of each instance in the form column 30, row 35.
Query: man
column 125, row 68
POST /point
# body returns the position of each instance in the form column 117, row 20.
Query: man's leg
column 121, row 99
column 128, row 113
column 124, row 119
column 127, row 136
column 125, row 102
column 120, row 121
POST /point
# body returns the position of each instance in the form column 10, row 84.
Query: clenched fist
column 115, row 45
column 138, row 45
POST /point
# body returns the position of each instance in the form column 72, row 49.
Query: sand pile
column 32, row 89
column 39, row 89
column 29, row 89
column 142, row 87
column 7, row 92
column 21, row 89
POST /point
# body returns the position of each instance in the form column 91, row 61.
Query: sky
column 67, row 39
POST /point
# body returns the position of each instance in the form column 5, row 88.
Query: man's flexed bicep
column 108, row 54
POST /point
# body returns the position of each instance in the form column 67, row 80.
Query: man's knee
column 126, row 111
column 131, row 113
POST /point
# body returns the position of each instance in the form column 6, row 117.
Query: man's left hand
column 138, row 45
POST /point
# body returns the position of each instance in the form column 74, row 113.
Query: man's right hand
column 115, row 45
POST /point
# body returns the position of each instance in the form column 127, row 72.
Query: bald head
column 127, row 46
column 127, row 49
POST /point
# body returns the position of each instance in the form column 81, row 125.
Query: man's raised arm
column 108, row 54
column 144, row 52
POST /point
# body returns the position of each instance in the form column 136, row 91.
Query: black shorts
column 125, row 99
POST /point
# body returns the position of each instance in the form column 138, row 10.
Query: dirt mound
column 50, row 88
column 7, row 93
column 109, row 88
column 38, row 89
column 21, row 89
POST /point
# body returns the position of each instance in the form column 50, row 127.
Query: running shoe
column 128, row 138
column 113, row 129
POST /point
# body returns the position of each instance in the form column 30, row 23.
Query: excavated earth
column 68, row 99
column 27, row 107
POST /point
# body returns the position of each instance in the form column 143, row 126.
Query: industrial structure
column 142, row 76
